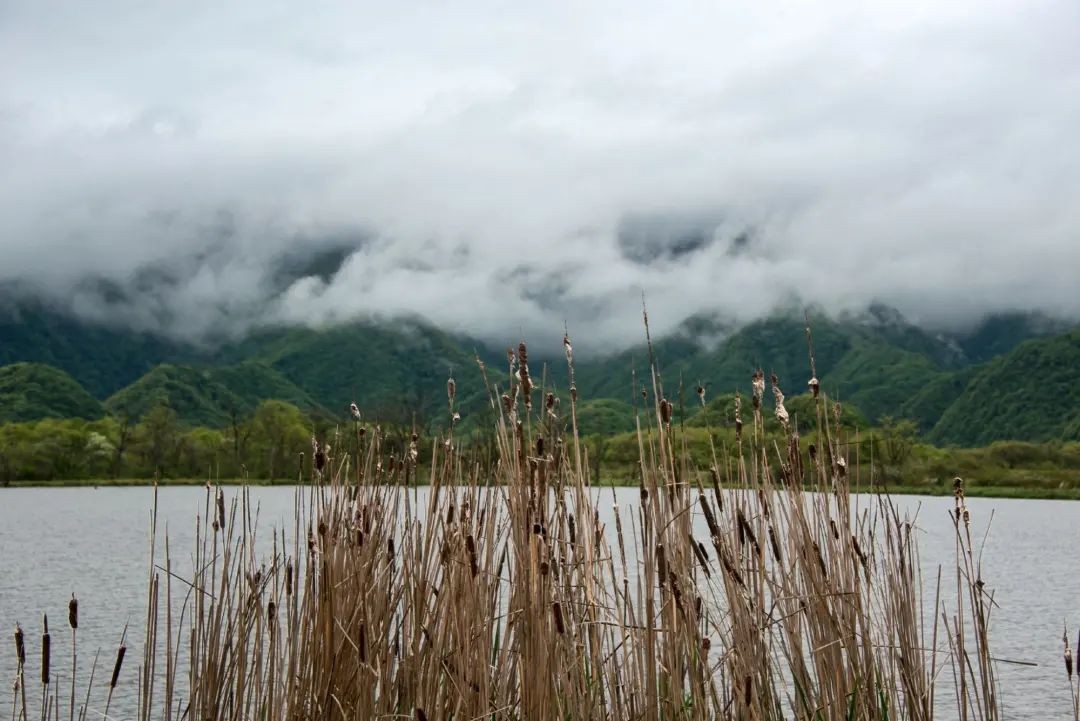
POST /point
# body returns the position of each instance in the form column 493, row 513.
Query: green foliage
column 29, row 391
column 1032, row 394
column 264, row 445
column 101, row 358
column 206, row 396
column 605, row 416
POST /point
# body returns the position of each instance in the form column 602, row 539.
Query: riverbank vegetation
column 274, row 441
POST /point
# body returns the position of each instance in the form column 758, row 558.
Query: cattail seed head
column 556, row 610
column 46, row 651
column 120, row 652
column 665, row 411
column 355, row 411
column 20, row 645
column 1068, row 662
column 568, row 348
column 73, row 612
column 815, row 386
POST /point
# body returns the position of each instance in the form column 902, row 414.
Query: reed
column 755, row 588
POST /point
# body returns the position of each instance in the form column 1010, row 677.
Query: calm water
column 94, row 542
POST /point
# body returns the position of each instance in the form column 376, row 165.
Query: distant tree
column 279, row 435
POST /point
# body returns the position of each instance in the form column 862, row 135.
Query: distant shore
column 921, row 489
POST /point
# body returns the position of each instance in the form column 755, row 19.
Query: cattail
column 748, row 690
column 665, row 411
column 757, row 384
column 556, row 609
column 320, row 459
column 355, row 411
column 661, row 564
column 451, row 390
column 221, row 509
column 1068, row 662
column 540, row 446
column 288, row 578
column 781, row 411
column 470, row 546
column 420, row 715
column 20, row 645
column 815, row 386
column 73, row 612
column 714, row 529
column 523, row 374
column 775, row 546
column 118, row 665
column 46, row 651
column 568, row 348
column 573, row 394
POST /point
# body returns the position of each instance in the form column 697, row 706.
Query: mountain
column 999, row 333
column 29, row 391
column 397, row 370
column 207, row 396
column 1032, row 393
column 101, row 358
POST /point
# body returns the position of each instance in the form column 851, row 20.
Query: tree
column 279, row 435
column 157, row 436
column 895, row 442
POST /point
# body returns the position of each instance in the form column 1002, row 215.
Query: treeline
column 267, row 445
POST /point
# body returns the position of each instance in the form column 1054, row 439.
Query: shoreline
column 971, row 489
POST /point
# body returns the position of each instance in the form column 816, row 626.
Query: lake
column 94, row 542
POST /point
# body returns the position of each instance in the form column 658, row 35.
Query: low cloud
column 503, row 169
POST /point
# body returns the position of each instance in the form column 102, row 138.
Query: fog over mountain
column 503, row 167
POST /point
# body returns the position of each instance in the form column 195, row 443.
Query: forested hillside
column 1012, row 377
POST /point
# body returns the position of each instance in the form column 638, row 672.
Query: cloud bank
column 504, row 167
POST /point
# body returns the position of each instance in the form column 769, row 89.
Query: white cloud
column 483, row 157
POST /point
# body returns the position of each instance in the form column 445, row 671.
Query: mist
column 498, row 169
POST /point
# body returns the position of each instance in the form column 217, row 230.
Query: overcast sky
column 502, row 167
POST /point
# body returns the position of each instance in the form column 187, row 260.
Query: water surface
column 94, row 542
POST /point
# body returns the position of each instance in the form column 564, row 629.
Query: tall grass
column 752, row 589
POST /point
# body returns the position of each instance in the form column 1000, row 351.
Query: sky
column 500, row 168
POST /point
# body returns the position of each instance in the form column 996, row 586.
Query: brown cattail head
column 701, row 395
column 20, row 645
column 73, row 612
column 556, row 610
column 815, row 386
column 568, row 348
column 1068, row 662
column 355, row 411
column 46, row 651
column 118, row 665
column 221, row 508
column 665, row 411
column 573, row 394
column 549, row 401
column 540, row 446
column 451, row 390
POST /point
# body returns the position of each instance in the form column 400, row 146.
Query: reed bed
column 753, row 589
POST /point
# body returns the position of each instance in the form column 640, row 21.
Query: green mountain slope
column 30, row 391
column 207, row 396
column 1033, row 394
column 395, row 371
column 102, row 359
